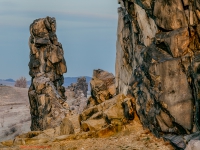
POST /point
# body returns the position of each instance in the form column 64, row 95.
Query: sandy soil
column 133, row 137
column 15, row 114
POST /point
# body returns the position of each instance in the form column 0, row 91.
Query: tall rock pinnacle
column 46, row 67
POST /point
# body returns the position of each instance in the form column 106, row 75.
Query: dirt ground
column 133, row 137
column 14, row 114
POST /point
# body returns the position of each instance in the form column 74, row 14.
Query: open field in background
column 67, row 81
column 15, row 115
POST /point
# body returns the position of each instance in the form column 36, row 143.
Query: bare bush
column 21, row 82
column 13, row 129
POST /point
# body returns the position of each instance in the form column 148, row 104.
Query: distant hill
column 10, row 80
column 67, row 81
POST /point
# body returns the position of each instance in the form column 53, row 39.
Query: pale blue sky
column 86, row 29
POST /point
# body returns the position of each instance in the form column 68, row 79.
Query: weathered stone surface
column 66, row 127
column 77, row 96
column 193, row 145
column 163, row 73
column 147, row 26
column 47, row 65
column 115, row 112
column 169, row 14
column 175, row 42
column 102, row 86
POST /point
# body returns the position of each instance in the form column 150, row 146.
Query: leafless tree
column 21, row 82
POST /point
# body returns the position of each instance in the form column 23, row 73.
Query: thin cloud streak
column 27, row 17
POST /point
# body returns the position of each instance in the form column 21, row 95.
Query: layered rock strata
column 46, row 67
column 158, row 62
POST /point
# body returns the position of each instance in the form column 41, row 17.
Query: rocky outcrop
column 157, row 62
column 77, row 96
column 102, row 87
column 77, row 104
column 47, row 66
column 80, row 87
column 109, row 115
column 106, row 112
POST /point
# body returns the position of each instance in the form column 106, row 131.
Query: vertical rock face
column 158, row 62
column 47, row 66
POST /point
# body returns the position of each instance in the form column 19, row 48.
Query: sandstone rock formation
column 102, row 87
column 47, row 66
column 110, row 114
column 158, row 62
column 106, row 112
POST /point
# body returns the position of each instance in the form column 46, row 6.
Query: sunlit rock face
column 46, row 67
column 102, row 87
column 158, row 62
column 106, row 112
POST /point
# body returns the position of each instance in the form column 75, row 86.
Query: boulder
column 66, row 127
column 107, row 115
column 102, row 86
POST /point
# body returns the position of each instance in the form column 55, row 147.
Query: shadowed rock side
column 47, row 66
column 158, row 62
column 80, row 87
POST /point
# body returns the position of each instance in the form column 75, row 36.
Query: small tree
column 21, row 82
